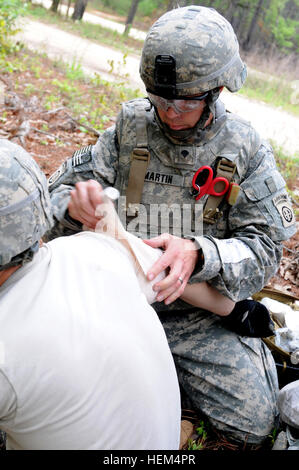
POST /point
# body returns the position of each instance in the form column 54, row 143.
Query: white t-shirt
column 84, row 360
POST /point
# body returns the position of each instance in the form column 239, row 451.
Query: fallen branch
column 35, row 155
column 5, row 82
column 21, row 132
column 54, row 111
column 44, row 132
column 289, row 250
column 89, row 128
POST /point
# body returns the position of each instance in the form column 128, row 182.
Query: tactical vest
column 156, row 177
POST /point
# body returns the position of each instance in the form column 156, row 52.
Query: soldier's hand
column 180, row 258
column 84, row 199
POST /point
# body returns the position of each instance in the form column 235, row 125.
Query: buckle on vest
column 140, row 158
column 210, row 216
column 227, row 166
column 139, row 153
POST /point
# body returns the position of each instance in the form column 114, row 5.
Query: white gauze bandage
column 143, row 256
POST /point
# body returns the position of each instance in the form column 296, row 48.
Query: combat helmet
column 189, row 51
column 25, row 208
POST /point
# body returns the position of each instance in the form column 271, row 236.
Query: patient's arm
column 204, row 296
column 200, row 295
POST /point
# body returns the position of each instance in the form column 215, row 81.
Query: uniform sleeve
column 8, row 402
column 98, row 162
column 262, row 218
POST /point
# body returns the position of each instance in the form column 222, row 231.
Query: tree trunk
column 175, row 4
column 170, row 5
column 246, row 43
column 229, row 14
column 131, row 16
column 68, row 8
column 79, row 9
column 54, row 5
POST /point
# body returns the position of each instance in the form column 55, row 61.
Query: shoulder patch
column 285, row 210
column 83, row 155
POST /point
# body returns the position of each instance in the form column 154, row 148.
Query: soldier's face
column 180, row 121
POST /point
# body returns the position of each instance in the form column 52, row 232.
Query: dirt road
column 272, row 123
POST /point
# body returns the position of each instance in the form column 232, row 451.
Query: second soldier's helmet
column 189, row 51
column 25, row 208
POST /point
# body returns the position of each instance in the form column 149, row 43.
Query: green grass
column 289, row 168
column 93, row 101
column 287, row 165
column 87, row 30
column 202, row 433
column 276, row 92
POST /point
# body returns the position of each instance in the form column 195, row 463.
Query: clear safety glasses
column 179, row 105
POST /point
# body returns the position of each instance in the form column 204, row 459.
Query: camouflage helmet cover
column 25, row 208
column 205, row 49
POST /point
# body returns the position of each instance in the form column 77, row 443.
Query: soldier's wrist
column 200, row 256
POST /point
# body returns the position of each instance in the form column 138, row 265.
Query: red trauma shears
column 204, row 182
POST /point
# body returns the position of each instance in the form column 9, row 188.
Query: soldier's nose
column 171, row 112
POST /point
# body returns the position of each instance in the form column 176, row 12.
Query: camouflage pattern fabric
column 204, row 46
column 25, row 207
column 232, row 379
column 204, row 52
column 255, row 223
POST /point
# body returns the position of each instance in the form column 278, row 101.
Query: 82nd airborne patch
column 285, row 210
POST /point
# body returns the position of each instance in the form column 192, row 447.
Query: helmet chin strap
column 190, row 136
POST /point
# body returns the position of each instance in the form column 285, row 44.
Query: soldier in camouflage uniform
column 151, row 155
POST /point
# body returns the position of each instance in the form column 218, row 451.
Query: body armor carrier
column 172, row 165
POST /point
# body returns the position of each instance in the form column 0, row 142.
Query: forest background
column 267, row 26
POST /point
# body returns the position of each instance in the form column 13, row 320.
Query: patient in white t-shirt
column 84, row 360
